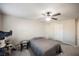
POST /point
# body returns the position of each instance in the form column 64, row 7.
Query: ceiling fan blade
column 56, row 14
column 54, row 18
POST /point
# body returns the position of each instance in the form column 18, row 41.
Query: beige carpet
column 24, row 52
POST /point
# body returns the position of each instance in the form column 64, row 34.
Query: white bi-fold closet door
column 54, row 30
column 58, row 31
column 63, row 30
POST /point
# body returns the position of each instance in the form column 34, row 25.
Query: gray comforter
column 45, row 47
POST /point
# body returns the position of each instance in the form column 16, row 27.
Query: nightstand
column 24, row 44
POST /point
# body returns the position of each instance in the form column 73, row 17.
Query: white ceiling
column 34, row 10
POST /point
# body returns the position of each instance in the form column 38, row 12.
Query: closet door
column 54, row 30
column 58, row 31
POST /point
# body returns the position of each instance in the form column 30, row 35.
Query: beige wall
column 23, row 29
column 78, row 32
column 0, row 22
column 69, row 31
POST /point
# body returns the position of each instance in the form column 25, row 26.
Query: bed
column 45, row 47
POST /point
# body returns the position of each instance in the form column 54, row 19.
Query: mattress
column 42, row 46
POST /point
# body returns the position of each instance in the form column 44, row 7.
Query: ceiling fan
column 52, row 16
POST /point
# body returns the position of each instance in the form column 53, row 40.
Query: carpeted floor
column 24, row 52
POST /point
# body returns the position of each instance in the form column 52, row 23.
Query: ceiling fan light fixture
column 48, row 19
